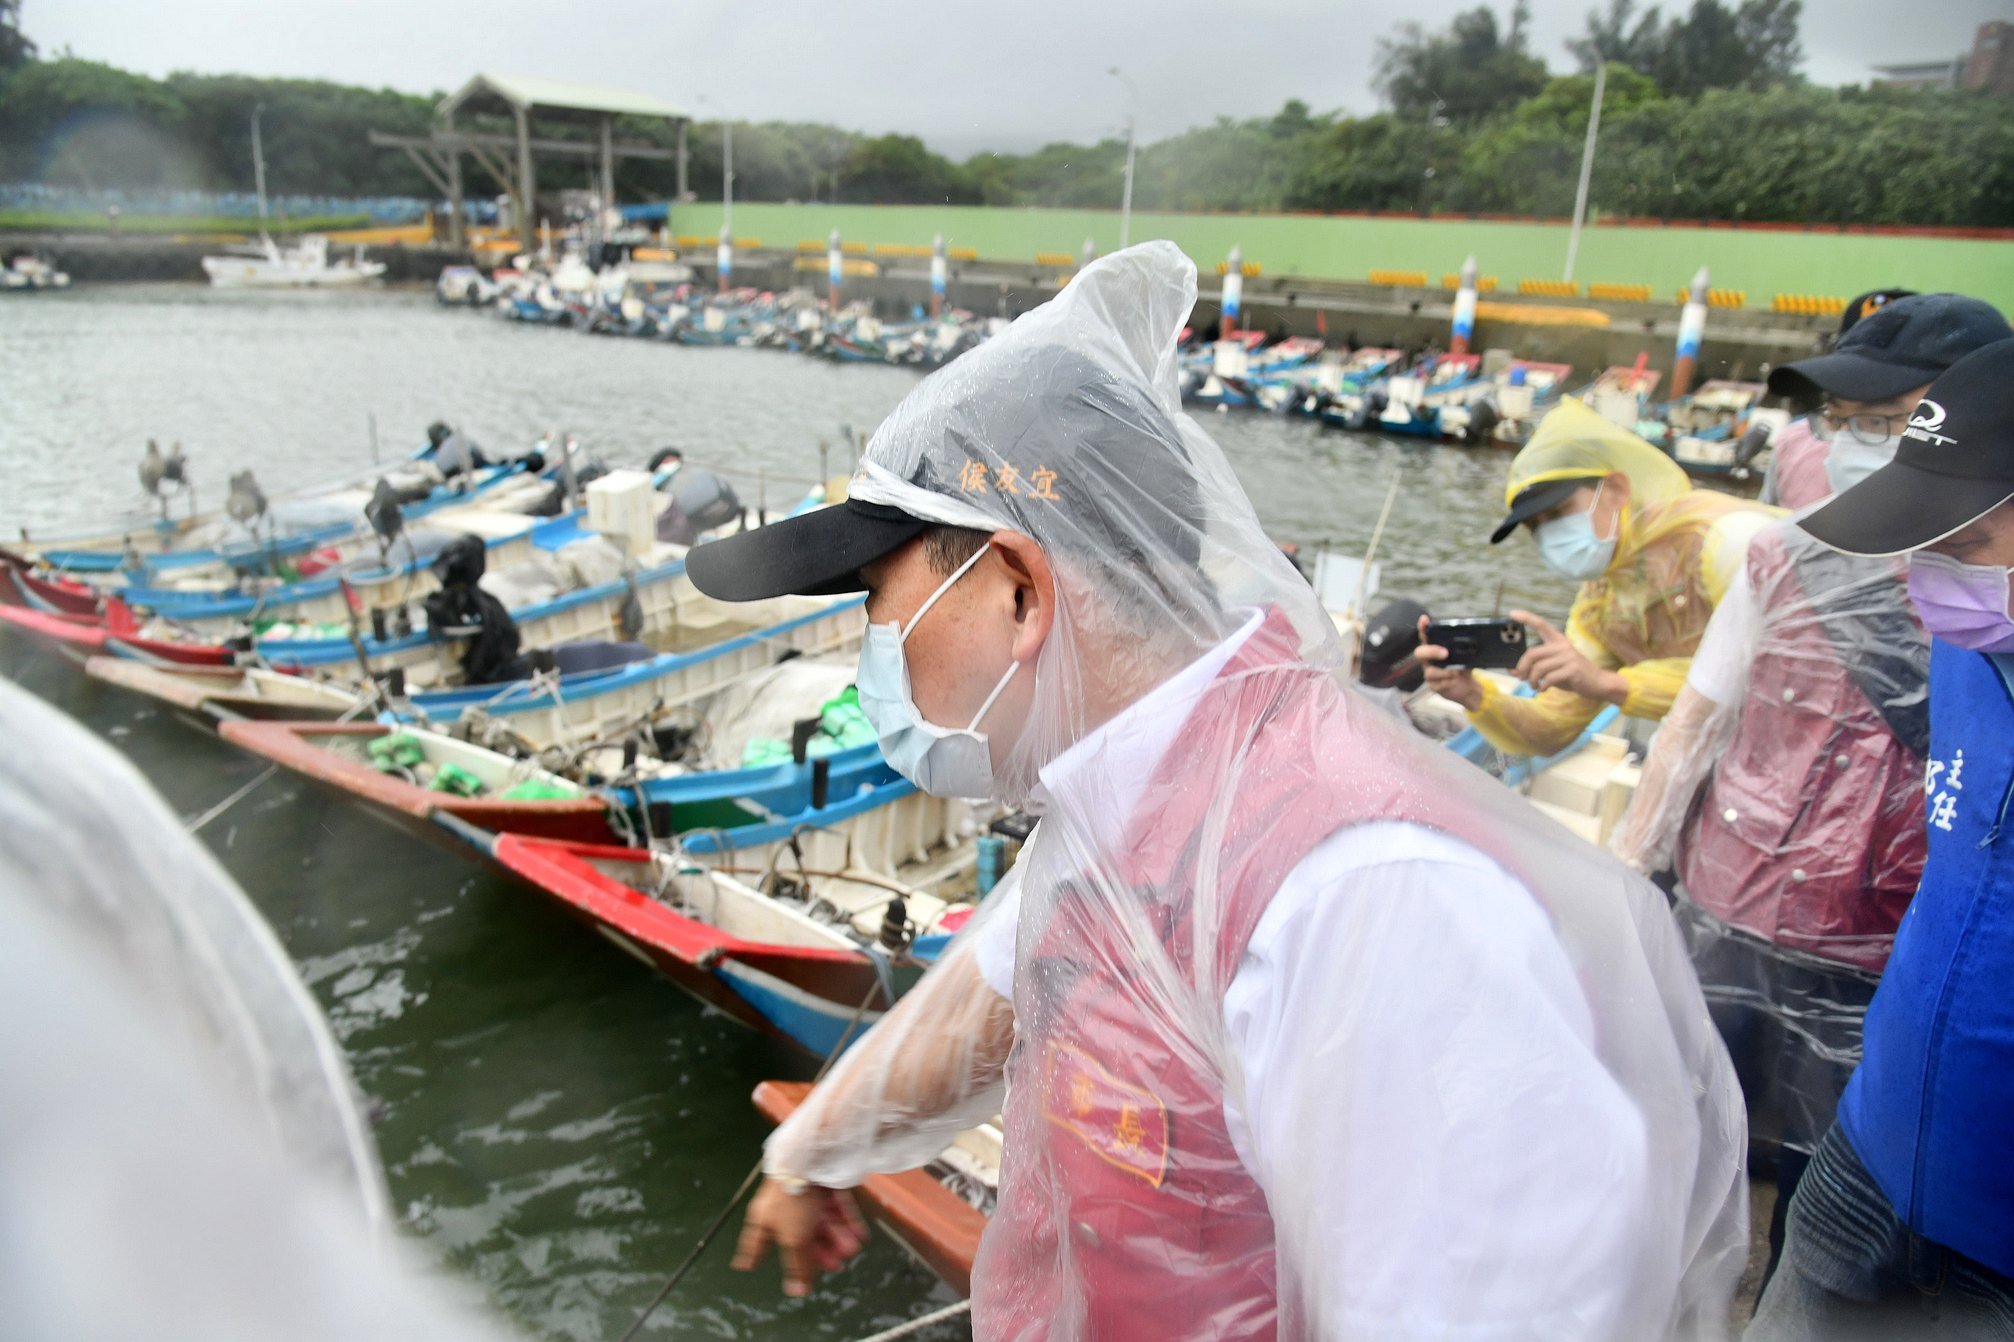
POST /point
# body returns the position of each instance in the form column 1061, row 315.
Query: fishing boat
column 588, row 706
column 305, row 265
column 155, row 545
column 1624, row 395
column 28, row 273
column 464, row 286
column 412, row 773
column 1721, row 431
column 937, row 1212
column 208, row 695
column 813, row 956
column 1324, row 384
column 401, row 572
column 1505, row 405
column 21, row 585
column 114, row 633
column 659, row 600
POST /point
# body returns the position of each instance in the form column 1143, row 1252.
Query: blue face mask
column 941, row 761
column 1571, row 549
column 1849, row 461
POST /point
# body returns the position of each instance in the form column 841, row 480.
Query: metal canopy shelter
column 439, row 155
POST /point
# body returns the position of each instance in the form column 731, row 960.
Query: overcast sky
column 964, row 76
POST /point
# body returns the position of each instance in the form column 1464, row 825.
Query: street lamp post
column 726, row 163
column 1434, row 122
column 1132, row 140
column 1586, row 168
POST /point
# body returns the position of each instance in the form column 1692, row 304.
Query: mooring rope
column 922, row 1321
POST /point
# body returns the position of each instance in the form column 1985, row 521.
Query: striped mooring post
column 940, row 273
column 1465, row 309
column 1691, row 327
column 1234, row 291
column 834, row 268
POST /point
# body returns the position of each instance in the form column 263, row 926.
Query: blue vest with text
column 1930, row 1111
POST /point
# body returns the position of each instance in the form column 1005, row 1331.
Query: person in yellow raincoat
column 1653, row 556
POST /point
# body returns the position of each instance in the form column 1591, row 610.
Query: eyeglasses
column 1870, row 429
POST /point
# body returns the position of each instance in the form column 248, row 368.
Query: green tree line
column 1704, row 117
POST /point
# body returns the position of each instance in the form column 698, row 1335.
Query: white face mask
column 1849, row 461
column 941, row 761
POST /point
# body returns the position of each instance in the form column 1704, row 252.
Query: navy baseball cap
column 1866, row 305
column 1536, row 499
column 1954, row 465
column 1898, row 347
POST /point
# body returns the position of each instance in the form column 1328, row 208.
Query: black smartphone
column 1482, row 642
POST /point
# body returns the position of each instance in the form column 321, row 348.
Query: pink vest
column 1124, row 1209
column 1810, row 831
column 1799, row 466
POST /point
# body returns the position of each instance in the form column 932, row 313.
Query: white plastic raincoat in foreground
column 182, row 1156
column 1128, row 1206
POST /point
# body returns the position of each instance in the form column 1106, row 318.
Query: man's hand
column 815, row 1230
column 1450, row 682
column 1557, row 664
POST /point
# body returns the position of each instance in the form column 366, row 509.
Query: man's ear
column 1034, row 590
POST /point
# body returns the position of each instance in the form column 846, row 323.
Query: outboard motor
column 1753, row 440
column 700, row 501
column 247, row 502
column 454, row 453
column 462, row 608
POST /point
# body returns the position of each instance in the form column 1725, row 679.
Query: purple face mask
column 1963, row 604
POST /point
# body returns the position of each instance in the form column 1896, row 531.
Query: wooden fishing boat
column 326, row 515
column 210, row 694
column 938, row 1212
column 20, row 585
column 766, row 964
column 665, row 599
column 204, row 608
column 586, row 706
column 339, row 755
column 115, row 633
column 764, row 959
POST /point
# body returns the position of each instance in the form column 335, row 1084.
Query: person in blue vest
column 1904, row 1223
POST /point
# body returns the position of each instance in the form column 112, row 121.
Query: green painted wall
column 1763, row 263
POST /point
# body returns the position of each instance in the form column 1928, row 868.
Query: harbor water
column 556, row 1122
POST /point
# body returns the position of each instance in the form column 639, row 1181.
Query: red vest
column 1810, row 831
column 1799, row 465
column 1124, row 1209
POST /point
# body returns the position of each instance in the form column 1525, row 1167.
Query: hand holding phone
column 1483, row 643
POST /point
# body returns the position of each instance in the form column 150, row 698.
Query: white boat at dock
column 305, row 265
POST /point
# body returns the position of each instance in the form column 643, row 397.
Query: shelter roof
column 496, row 93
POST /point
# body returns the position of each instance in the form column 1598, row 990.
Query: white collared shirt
column 1422, row 1103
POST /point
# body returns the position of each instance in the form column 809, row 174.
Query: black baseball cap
column 1898, row 347
column 1011, row 431
column 1954, row 465
column 1538, row 498
column 1866, row 304
column 1390, row 639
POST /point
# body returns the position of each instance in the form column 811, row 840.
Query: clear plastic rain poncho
column 1189, row 747
column 182, row 1155
column 1678, row 549
column 1785, row 789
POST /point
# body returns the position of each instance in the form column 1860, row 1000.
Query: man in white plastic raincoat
column 1300, row 1028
